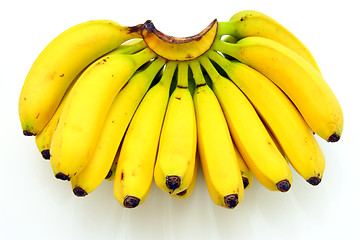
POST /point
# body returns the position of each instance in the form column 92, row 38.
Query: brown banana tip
column 173, row 182
column 314, row 181
column 62, row 176
column 334, row 137
column 231, row 200
column 45, row 154
column 182, row 193
column 28, row 133
column 283, row 185
column 78, row 191
column 109, row 174
column 245, row 182
column 131, row 201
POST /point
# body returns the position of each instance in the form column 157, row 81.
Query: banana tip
column 314, row 181
column 62, row 176
column 231, row 200
column 45, row 154
column 173, row 182
column 28, row 133
column 182, row 193
column 131, row 201
column 334, row 137
column 283, row 185
column 245, row 182
column 79, row 192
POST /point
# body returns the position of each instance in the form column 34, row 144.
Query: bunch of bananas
column 131, row 104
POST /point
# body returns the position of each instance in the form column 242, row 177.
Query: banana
column 187, row 192
column 281, row 117
column 60, row 62
column 217, row 154
column 175, row 160
column 249, row 134
column 179, row 49
column 296, row 77
column 246, row 174
column 135, row 168
column 253, row 23
column 44, row 137
column 113, row 130
column 81, row 120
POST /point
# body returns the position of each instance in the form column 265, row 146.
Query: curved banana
column 187, row 192
column 296, row 77
column 249, row 134
column 135, row 168
column 44, row 137
column 246, row 174
column 281, row 117
column 113, row 129
column 253, row 23
column 175, row 159
column 60, row 62
column 81, row 120
column 179, row 49
column 217, row 154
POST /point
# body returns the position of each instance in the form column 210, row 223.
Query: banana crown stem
column 179, row 48
column 197, row 72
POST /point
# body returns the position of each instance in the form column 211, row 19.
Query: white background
column 34, row 205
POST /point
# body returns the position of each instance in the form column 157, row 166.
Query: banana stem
column 226, row 28
column 231, row 49
column 197, row 72
column 210, row 69
column 183, row 68
column 221, row 61
column 130, row 49
column 143, row 56
column 166, row 78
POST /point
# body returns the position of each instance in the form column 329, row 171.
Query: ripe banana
column 281, row 117
column 81, row 120
column 249, row 134
column 134, row 171
column 175, row 160
column 179, row 49
column 253, row 23
column 60, row 62
column 44, row 137
column 217, row 154
column 113, row 130
column 296, row 77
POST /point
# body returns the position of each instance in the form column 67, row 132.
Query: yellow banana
column 187, row 192
column 296, row 77
column 246, row 174
column 113, row 130
column 217, row 154
column 280, row 116
column 249, row 134
column 60, row 62
column 44, row 137
column 135, row 168
column 81, row 120
column 253, row 23
column 175, row 160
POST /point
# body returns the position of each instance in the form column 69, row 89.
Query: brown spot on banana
column 179, row 48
